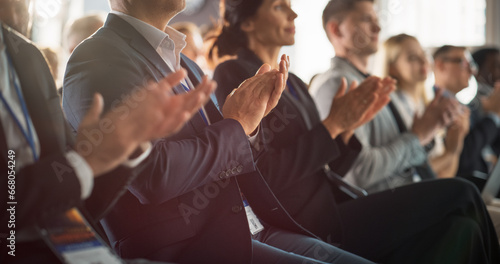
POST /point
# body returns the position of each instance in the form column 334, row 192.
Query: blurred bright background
column 470, row 23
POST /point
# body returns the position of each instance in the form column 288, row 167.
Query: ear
column 247, row 26
column 333, row 28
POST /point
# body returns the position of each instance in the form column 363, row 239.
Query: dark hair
column 444, row 50
column 230, row 37
column 480, row 55
column 337, row 9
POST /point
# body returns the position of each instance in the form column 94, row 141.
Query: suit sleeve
column 178, row 164
column 483, row 132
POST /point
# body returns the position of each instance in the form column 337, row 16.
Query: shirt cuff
column 253, row 139
column 146, row 148
column 495, row 118
column 83, row 172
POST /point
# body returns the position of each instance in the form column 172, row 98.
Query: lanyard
column 203, row 116
column 292, row 90
column 28, row 133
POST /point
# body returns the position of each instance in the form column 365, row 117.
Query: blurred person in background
column 453, row 67
column 405, row 61
column 488, row 73
column 82, row 28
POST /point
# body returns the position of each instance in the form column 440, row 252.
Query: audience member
column 192, row 202
column 452, row 70
column 81, row 29
column 391, row 156
column 488, row 62
column 49, row 171
column 52, row 59
column 298, row 147
column 405, row 61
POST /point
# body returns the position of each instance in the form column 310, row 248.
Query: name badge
column 253, row 221
column 74, row 241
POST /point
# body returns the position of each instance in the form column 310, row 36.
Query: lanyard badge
column 74, row 241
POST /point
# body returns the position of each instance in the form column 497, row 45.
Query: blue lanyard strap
column 292, row 90
column 200, row 111
column 29, row 133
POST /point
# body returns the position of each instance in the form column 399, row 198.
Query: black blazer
column 187, row 204
column 483, row 132
column 40, row 192
column 296, row 148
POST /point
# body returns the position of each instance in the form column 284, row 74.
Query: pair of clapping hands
column 361, row 104
column 157, row 113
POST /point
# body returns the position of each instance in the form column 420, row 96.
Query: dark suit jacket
column 40, row 194
column 483, row 132
column 296, row 148
column 187, row 205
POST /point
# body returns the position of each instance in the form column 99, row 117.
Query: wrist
column 332, row 128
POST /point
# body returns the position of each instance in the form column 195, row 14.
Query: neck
column 267, row 54
column 359, row 61
column 411, row 90
column 156, row 17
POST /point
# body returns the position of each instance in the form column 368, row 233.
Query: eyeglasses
column 464, row 63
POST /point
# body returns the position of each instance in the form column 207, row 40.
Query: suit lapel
column 37, row 89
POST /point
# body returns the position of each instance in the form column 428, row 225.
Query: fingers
column 94, row 113
column 279, row 87
column 263, row 69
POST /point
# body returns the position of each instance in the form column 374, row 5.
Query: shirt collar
column 154, row 36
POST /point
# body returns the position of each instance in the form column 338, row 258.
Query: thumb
column 263, row 69
column 93, row 114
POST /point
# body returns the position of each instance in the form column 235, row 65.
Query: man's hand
column 152, row 112
column 358, row 106
column 256, row 96
column 441, row 112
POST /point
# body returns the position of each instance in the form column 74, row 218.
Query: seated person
column 405, row 61
column 48, row 171
column 452, row 70
column 392, row 155
column 300, row 150
column 488, row 69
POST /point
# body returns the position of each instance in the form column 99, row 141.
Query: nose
column 293, row 15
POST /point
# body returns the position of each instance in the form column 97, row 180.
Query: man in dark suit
column 452, row 70
column 47, row 171
column 190, row 205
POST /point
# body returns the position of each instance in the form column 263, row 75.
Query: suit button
column 236, row 209
column 240, row 168
column 228, row 173
column 222, row 175
column 234, row 171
